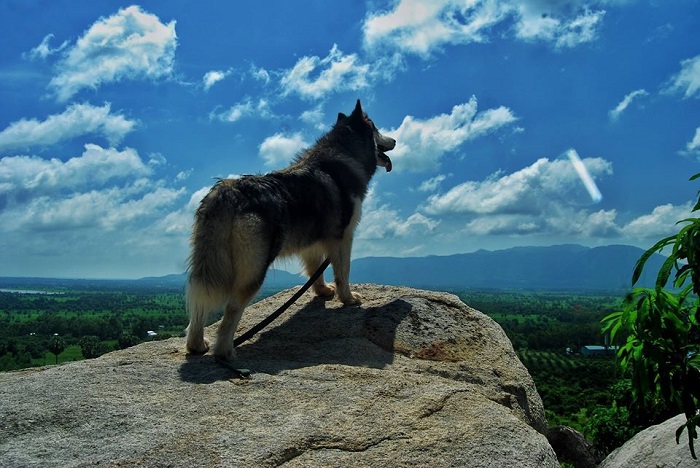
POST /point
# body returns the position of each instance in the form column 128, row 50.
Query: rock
column 409, row 378
column 571, row 447
column 655, row 446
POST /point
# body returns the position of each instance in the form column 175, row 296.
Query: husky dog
column 310, row 208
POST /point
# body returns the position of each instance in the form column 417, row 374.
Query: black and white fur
column 310, row 208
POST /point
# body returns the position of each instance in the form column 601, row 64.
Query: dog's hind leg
column 223, row 348
column 312, row 259
column 339, row 253
column 200, row 302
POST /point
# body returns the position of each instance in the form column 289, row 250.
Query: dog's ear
column 358, row 110
column 341, row 118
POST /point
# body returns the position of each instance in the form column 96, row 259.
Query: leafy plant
column 91, row 347
column 661, row 348
column 56, row 346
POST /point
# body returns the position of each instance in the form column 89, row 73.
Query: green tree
column 660, row 332
column 127, row 340
column 56, row 346
column 91, row 347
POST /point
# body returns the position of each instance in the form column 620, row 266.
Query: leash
column 245, row 373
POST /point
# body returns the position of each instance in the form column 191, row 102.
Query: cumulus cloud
column 314, row 77
column 244, row 109
column 105, row 209
column 625, row 103
column 279, row 149
column 103, row 189
column 659, row 223
column 212, row 77
column 687, row 81
column 531, row 190
column 421, row 28
column 380, row 221
column 75, row 121
column 432, row 184
column 423, row 142
column 554, row 23
column 95, row 167
column 130, row 44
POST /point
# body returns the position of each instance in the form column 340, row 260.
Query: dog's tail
column 210, row 267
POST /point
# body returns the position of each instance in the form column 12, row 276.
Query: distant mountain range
column 558, row 267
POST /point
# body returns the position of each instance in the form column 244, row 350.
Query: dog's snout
column 386, row 143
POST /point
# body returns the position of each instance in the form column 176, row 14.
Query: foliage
column 127, row 340
column 91, row 347
column 609, row 427
column 660, row 333
column 56, row 346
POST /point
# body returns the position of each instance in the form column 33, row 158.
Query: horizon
column 518, row 124
column 279, row 268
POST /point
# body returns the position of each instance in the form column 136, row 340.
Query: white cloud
column 314, row 117
column 549, row 22
column 96, row 166
column 212, row 77
column 105, row 209
column 244, row 109
column 624, row 104
column 432, row 184
column 314, row 77
column 279, row 149
column 379, row 221
column 260, row 74
column 693, row 145
column 422, row 143
column 130, row 44
column 687, row 81
column 659, row 223
column 44, row 50
column 531, row 190
column 75, row 121
column 421, row 28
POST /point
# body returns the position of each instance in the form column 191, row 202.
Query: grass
column 71, row 353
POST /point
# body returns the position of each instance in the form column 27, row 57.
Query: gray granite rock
column 410, row 378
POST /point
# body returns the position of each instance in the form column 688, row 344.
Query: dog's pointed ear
column 358, row 110
column 341, row 118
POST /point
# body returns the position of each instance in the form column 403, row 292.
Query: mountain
column 559, row 267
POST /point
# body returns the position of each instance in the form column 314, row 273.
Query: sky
column 518, row 123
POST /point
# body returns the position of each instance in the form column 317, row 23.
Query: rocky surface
column 411, row 377
column 655, row 446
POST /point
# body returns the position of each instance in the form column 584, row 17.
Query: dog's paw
column 225, row 353
column 325, row 290
column 198, row 347
column 354, row 299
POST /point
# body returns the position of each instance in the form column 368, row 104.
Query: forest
column 547, row 330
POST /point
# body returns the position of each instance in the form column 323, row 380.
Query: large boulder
column 655, row 446
column 411, row 377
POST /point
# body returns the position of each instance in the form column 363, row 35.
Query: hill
column 559, row 267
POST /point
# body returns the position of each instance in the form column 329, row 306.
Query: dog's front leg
column 340, row 259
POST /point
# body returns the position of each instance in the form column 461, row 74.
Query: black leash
column 245, row 373
column 265, row 322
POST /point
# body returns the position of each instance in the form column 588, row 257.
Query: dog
column 310, row 209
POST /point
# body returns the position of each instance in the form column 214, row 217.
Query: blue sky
column 116, row 117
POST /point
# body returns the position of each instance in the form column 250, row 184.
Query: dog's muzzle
column 384, row 144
